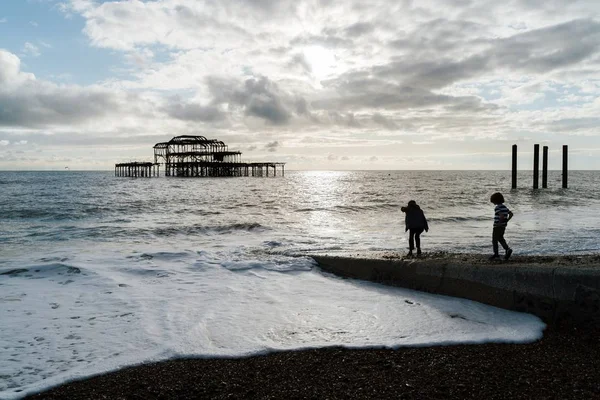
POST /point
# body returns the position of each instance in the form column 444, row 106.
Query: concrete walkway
column 559, row 290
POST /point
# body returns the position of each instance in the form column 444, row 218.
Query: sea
column 98, row 272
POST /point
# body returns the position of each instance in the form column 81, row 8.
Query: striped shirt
column 501, row 209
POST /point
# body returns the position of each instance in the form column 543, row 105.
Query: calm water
column 98, row 272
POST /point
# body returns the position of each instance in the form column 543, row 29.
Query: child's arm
column 510, row 215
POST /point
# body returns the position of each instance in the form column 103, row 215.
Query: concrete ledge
column 560, row 293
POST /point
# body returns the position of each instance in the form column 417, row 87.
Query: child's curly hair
column 497, row 198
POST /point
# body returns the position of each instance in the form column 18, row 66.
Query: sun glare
column 321, row 61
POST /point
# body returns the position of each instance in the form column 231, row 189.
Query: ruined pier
column 197, row 156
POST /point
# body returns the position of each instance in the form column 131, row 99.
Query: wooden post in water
column 565, row 167
column 545, row 167
column 514, row 166
column 536, row 166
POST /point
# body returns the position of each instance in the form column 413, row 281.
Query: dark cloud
column 358, row 92
column 258, row 97
column 434, row 64
column 193, row 111
column 27, row 102
column 36, row 105
column 299, row 61
column 432, row 74
column 359, row 29
column 301, row 106
column 272, row 146
column 543, row 50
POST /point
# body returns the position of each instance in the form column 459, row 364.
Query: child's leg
column 495, row 240
column 418, row 238
column 501, row 238
column 411, row 240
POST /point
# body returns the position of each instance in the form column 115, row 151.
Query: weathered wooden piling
column 514, row 166
column 536, row 165
column 565, row 166
column 545, row 167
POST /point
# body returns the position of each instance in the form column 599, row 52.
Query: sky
column 318, row 84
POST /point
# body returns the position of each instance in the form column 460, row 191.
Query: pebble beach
column 564, row 364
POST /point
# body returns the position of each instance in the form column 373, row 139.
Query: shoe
column 495, row 257
column 419, row 252
column 508, row 253
column 410, row 254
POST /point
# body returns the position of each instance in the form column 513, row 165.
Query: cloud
column 272, row 146
column 27, row 102
column 257, row 97
column 544, row 50
column 325, row 76
column 387, row 123
column 179, row 109
column 30, row 49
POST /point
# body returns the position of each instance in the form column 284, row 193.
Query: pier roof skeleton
column 187, row 148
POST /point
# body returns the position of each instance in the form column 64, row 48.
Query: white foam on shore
column 64, row 320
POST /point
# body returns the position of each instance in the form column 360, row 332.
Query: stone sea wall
column 559, row 293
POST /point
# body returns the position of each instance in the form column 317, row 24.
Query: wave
column 161, row 255
column 287, row 265
column 460, row 219
column 43, row 271
column 352, row 208
column 55, row 214
column 208, row 230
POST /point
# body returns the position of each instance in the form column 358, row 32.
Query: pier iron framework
column 197, row 156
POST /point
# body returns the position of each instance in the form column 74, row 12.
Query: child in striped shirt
column 501, row 217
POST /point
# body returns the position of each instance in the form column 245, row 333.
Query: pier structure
column 197, row 156
column 137, row 169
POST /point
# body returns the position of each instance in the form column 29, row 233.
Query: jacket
column 415, row 218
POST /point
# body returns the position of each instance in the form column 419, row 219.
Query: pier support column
column 514, row 166
column 565, row 166
column 536, row 166
column 545, row 167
